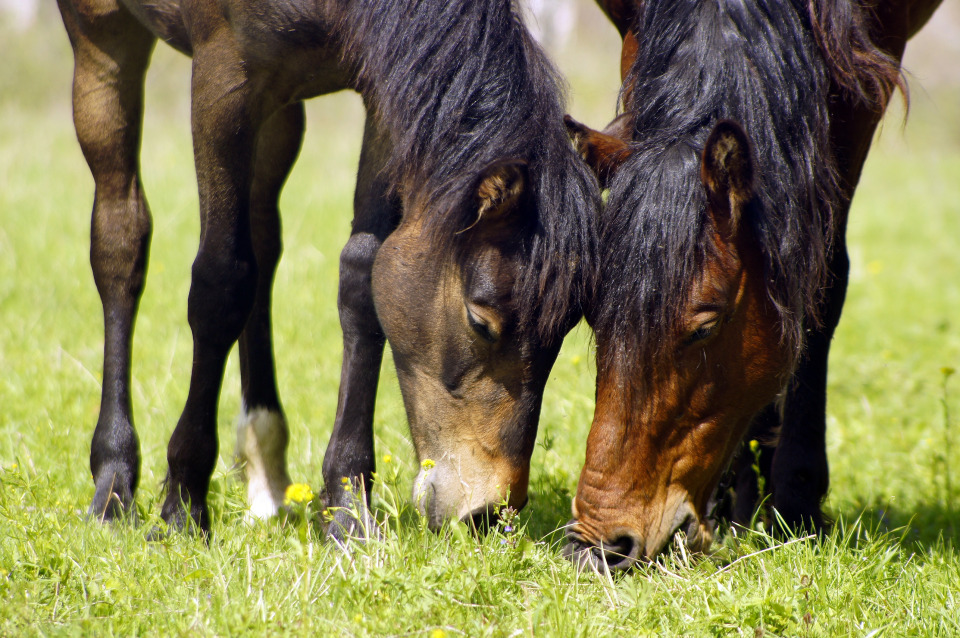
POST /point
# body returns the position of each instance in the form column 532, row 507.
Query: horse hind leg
column 795, row 471
column 262, row 429
column 112, row 51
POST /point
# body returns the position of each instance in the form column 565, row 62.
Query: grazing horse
column 722, row 262
column 471, row 249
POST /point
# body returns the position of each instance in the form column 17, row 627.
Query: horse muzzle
column 625, row 548
column 449, row 491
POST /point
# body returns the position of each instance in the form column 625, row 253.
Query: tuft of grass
column 947, row 456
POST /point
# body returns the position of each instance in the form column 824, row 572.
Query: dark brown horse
column 723, row 265
column 471, row 250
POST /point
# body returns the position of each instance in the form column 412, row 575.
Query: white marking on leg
column 262, row 453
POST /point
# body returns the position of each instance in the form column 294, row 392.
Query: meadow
column 890, row 566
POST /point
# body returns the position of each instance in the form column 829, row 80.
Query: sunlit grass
column 889, row 566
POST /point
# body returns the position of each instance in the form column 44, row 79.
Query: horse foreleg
column 799, row 474
column 112, row 51
column 795, row 472
column 262, row 429
column 349, row 462
column 225, row 122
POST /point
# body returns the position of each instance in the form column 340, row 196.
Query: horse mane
column 700, row 61
column 461, row 85
column 857, row 66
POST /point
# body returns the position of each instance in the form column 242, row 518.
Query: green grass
column 890, row 567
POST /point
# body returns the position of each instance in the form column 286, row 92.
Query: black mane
column 461, row 85
column 701, row 61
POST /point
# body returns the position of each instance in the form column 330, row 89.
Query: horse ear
column 499, row 188
column 603, row 151
column 726, row 170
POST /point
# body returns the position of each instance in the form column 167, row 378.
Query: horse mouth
column 627, row 550
column 620, row 554
column 484, row 518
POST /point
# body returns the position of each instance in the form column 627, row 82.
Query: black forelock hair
column 700, row 61
column 460, row 85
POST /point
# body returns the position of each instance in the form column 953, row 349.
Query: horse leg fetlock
column 262, row 439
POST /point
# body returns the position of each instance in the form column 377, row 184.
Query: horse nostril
column 619, row 554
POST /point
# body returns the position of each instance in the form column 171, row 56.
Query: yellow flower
column 754, row 445
column 575, row 359
column 387, row 458
column 428, row 464
column 297, row 493
column 438, row 633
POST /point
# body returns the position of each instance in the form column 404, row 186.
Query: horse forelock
column 652, row 246
column 699, row 62
column 461, row 85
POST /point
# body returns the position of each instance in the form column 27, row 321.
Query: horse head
column 678, row 384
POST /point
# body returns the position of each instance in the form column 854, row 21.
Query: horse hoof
column 352, row 524
column 112, row 503
column 158, row 534
column 179, row 520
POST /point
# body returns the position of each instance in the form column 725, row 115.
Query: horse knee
column 355, row 297
column 222, row 292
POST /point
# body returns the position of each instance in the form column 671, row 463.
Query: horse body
column 729, row 187
column 470, row 251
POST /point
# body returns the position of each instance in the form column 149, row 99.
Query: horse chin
column 686, row 528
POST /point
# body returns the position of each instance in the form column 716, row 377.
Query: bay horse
column 471, row 250
column 723, row 266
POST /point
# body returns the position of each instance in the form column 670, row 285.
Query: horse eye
column 702, row 333
column 481, row 328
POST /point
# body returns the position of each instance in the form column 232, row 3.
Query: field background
column 891, row 566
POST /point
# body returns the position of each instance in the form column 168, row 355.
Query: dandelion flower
column 428, row 464
column 297, row 493
column 387, row 458
column 438, row 633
